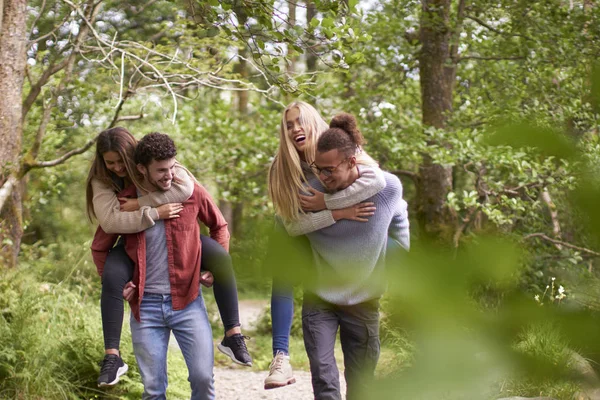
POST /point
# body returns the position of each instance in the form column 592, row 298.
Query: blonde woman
column 301, row 210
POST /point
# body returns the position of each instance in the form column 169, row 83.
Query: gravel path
column 239, row 383
column 233, row 383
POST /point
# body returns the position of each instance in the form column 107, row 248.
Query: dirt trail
column 236, row 382
column 232, row 383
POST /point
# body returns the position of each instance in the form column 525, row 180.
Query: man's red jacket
column 183, row 246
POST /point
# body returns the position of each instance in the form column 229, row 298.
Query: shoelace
column 239, row 340
column 277, row 363
column 108, row 364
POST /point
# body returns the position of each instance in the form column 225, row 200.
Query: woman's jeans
column 150, row 338
column 282, row 296
column 118, row 270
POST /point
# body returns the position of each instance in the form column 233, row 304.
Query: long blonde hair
column 286, row 177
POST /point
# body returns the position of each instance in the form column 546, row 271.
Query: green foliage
column 465, row 319
column 50, row 341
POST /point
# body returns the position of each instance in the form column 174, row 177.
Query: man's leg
column 150, row 339
column 319, row 325
column 194, row 336
column 359, row 334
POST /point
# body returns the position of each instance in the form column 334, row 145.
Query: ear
column 352, row 161
column 141, row 169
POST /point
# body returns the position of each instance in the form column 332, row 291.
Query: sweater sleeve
column 370, row 182
column 181, row 190
column 399, row 228
column 210, row 215
column 309, row 222
column 112, row 219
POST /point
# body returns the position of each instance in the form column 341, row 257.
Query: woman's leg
column 282, row 315
column 118, row 270
column 216, row 260
column 295, row 254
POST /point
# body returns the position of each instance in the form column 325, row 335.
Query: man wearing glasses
column 349, row 260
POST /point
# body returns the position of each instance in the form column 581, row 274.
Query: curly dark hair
column 154, row 146
column 343, row 134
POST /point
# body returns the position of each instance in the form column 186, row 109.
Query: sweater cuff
column 154, row 214
column 323, row 219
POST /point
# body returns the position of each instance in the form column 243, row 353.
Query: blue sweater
column 350, row 255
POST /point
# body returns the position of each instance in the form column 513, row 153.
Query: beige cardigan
column 112, row 220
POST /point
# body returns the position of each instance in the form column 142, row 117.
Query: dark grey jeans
column 359, row 335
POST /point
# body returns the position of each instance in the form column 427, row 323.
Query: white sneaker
column 280, row 372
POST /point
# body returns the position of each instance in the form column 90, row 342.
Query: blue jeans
column 150, row 339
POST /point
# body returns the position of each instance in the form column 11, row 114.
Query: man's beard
column 155, row 184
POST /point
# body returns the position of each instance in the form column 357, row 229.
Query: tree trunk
column 12, row 72
column 436, row 98
column 311, row 59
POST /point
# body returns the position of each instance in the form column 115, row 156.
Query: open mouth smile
column 300, row 138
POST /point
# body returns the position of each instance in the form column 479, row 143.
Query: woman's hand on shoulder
column 313, row 203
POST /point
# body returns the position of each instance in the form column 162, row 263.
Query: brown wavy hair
column 122, row 142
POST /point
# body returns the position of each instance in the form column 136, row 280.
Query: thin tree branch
column 27, row 166
column 70, row 64
column 37, row 87
column 555, row 241
column 63, row 158
column 42, row 7
column 464, row 225
column 130, row 118
column 492, row 58
column 119, row 107
column 556, row 231
column 495, row 30
column 148, row 4
column 47, row 35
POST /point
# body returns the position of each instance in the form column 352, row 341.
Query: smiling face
column 336, row 170
column 114, row 163
column 158, row 175
column 295, row 130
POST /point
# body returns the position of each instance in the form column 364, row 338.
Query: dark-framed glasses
column 326, row 171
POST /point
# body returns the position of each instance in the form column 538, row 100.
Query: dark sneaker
column 234, row 346
column 112, row 368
